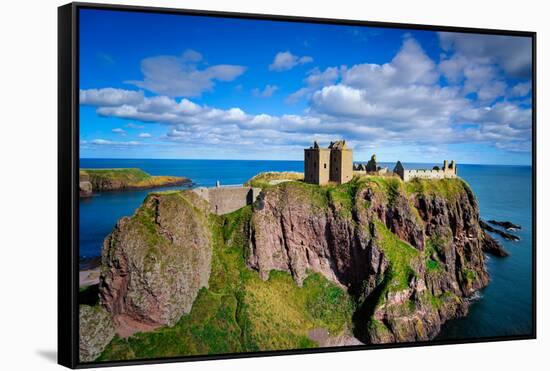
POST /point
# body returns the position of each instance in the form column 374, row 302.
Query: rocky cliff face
column 411, row 253
column 155, row 262
column 96, row 331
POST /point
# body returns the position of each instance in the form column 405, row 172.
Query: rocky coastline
column 505, row 235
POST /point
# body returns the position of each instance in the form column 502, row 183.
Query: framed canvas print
column 236, row 185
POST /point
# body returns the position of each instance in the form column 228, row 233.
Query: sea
column 503, row 308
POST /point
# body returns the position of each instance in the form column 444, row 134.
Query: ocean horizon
column 271, row 160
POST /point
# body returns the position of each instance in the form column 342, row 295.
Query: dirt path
column 323, row 338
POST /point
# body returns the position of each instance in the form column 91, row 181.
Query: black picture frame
column 68, row 165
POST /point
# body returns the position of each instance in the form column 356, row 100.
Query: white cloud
column 297, row 95
column 521, row 89
column 285, row 61
column 511, row 53
column 144, row 135
column 483, row 63
column 109, row 97
column 410, row 66
column 105, row 142
column 265, row 92
column 165, row 110
column 119, row 131
column 399, row 95
column 131, row 125
column 315, row 79
column 180, row 76
column 476, row 75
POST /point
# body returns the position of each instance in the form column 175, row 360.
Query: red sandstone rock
column 290, row 234
column 155, row 262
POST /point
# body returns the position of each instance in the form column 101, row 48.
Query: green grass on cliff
column 393, row 185
column 390, row 186
column 263, row 180
column 447, row 188
column 129, row 177
column 400, row 255
column 124, row 174
column 432, row 252
column 239, row 312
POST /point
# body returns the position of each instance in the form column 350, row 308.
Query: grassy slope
column 131, row 178
column 239, row 312
column 262, row 180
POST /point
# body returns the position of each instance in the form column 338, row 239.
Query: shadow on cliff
column 365, row 311
column 89, row 296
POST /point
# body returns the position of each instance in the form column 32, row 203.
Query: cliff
column 154, row 263
column 375, row 260
column 100, row 180
column 96, row 329
column 410, row 253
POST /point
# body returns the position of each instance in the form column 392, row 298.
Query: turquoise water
column 503, row 192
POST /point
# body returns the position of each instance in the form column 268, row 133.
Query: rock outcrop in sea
column 506, row 224
column 505, row 235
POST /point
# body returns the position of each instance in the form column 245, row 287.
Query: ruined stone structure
column 371, row 165
column 226, row 199
column 332, row 164
column 447, row 171
column 359, row 167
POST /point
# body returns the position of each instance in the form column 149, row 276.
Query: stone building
column 447, row 171
column 332, row 164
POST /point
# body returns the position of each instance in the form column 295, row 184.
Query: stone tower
column 450, row 169
column 341, row 162
column 316, row 164
column 332, row 164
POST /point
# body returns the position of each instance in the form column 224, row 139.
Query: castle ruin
column 371, row 167
column 332, row 164
column 448, row 171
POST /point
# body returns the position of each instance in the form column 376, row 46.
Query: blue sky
column 172, row 86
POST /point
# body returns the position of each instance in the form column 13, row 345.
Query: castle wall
column 224, row 200
column 341, row 166
column 448, row 171
column 346, row 163
column 427, row 174
column 316, row 165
